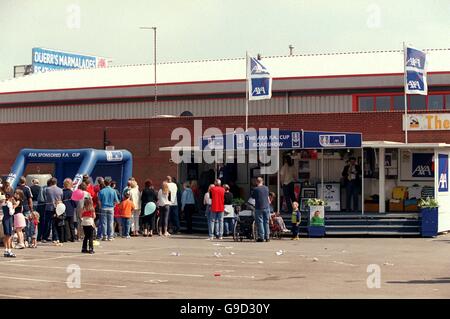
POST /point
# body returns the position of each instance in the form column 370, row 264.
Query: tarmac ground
column 188, row 266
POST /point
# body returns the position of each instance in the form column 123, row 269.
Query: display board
column 306, row 193
column 332, row 196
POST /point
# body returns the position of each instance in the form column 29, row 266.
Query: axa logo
column 422, row 171
column 413, row 85
column 259, row 90
column 414, row 62
column 443, row 181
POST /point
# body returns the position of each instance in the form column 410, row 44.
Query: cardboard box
column 396, row 206
column 371, row 207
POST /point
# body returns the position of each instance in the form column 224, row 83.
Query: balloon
column 149, row 208
column 77, row 195
column 60, row 209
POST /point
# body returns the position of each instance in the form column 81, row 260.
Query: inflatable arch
column 117, row 164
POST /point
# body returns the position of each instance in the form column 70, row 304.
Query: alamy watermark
column 374, row 278
column 232, row 146
column 74, row 278
column 73, row 19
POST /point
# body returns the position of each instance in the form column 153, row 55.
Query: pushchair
column 245, row 226
column 275, row 229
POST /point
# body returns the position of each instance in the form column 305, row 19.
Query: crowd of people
column 105, row 212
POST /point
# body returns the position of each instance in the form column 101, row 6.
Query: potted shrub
column 316, row 220
column 429, row 217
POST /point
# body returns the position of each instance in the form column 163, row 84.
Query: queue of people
column 105, row 212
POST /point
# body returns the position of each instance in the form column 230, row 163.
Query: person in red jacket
column 217, row 194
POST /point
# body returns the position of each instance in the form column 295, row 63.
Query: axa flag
column 416, row 72
column 259, row 80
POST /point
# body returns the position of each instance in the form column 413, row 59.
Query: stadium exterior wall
column 144, row 137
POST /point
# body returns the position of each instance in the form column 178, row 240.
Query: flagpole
column 404, row 90
column 246, row 91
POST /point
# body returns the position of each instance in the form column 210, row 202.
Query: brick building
column 350, row 92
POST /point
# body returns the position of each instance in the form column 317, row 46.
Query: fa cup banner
column 259, row 80
column 415, row 72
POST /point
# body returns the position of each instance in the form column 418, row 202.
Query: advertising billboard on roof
column 44, row 60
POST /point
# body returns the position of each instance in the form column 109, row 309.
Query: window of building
column 396, row 102
column 383, row 103
column 435, row 102
column 399, row 103
column 365, row 103
column 417, row 102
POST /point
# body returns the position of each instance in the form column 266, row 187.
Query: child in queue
column 88, row 223
column 19, row 218
column 7, row 222
column 125, row 210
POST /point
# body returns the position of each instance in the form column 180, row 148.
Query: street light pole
column 154, row 57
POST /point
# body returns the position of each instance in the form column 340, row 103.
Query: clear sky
column 211, row 29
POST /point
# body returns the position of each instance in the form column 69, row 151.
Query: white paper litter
column 280, row 252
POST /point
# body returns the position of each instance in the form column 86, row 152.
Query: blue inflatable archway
column 117, row 164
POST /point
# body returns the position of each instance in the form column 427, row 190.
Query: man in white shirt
column 173, row 214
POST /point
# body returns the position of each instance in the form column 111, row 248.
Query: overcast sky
column 211, row 29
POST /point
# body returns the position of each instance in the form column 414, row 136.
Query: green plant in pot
column 429, row 216
column 428, row 203
column 315, row 202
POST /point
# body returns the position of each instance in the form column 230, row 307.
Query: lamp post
column 154, row 56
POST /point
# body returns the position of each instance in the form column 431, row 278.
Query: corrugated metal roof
column 332, row 64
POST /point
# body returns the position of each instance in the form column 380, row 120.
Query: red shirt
column 91, row 191
column 217, row 194
column 88, row 214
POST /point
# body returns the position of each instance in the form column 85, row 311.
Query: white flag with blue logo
column 415, row 71
column 259, row 80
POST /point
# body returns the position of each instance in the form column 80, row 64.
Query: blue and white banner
column 415, row 71
column 443, row 173
column 259, row 81
column 254, row 140
column 45, row 60
column 331, row 140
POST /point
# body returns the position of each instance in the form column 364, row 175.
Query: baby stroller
column 275, row 229
column 245, row 226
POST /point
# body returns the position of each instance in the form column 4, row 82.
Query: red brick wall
column 144, row 137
